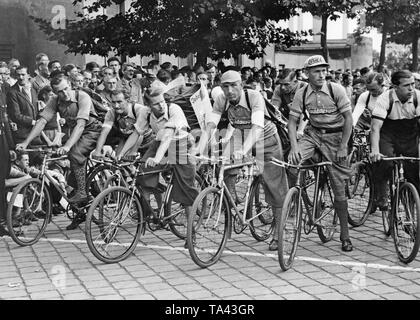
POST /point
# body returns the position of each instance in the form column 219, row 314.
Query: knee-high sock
column 341, row 208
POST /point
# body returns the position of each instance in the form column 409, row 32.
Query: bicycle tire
column 103, row 229
column 204, row 251
column 387, row 214
column 178, row 223
column 97, row 178
column 28, row 231
column 360, row 195
column 325, row 208
column 262, row 226
column 406, row 226
column 290, row 224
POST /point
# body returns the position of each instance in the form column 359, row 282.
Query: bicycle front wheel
column 97, row 178
column 360, row 190
column 209, row 227
column 114, row 224
column 262, row 220
column 325, row 213
column 405, row 227
column 28, row 212
column 289, row 228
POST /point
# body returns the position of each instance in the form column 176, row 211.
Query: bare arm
column 35, row 132
column 376, row 126
column 76, row 133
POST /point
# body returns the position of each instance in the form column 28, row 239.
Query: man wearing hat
column 329, row 131
column 83, row 130
column 247, row 113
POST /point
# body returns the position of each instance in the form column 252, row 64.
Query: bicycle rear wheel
column 289, row 228
column 114, row 224
column 262, row 220
column 405, row 226
column 28, row 212
column 325, row 211
column 209, row 227
column 360, row 195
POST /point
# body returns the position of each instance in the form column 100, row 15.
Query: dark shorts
column 183, row 190
column 81, row 150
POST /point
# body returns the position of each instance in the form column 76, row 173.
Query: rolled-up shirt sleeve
column 85, row 104
column 176, row 119
column 343, row 101
column 141, row 125
column 297, row 104
column 360, row 107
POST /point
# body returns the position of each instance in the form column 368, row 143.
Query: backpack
column 98, row 103
column 117, row 118
column 276, row 117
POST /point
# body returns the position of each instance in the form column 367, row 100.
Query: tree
column 407, row 29
column 329, row 10
column 209, row 28
column 384, row 15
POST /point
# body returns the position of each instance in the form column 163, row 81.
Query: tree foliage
column 209, row 28
column 329, row 10
column 398, row 21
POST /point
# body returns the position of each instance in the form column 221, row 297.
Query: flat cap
column 230, row 76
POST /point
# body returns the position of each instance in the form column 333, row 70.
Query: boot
column 341, row 208
column 80, row 177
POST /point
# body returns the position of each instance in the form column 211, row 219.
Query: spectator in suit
column 22, row 109
column 42, row 78
column 13, row 64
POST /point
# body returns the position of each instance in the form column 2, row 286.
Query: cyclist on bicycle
column 329, row 131
column 395, row 131
column 169, row 124
column 118, row 127
column 83, row 127
column 247, row 112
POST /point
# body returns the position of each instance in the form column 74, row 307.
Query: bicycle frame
column 302, row 188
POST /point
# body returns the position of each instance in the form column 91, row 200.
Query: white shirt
column 361, row 105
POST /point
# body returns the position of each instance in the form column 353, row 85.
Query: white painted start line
column 268, row 255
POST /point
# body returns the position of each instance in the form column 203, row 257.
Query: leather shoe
column 4, row 232
column 346, row 245
column 76, row 221
column 273, row 245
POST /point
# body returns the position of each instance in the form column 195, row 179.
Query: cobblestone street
column 60, row 266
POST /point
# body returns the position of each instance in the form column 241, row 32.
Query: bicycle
column 210, row 220
column 27, row 225
column 319, row 213
column 360, row 187
column 403, row 216
column 119, row 214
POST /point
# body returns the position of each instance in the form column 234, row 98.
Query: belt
column 328, row 130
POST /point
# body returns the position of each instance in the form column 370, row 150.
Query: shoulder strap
column 77, row 98
column 391, row 102
column 331, row 90
column 415, row 101
column 247, row 99
column 305, row 117
column 367, row 100
column 133, row 110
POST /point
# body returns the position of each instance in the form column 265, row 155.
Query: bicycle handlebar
column 300, row 166
column 401, row 158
